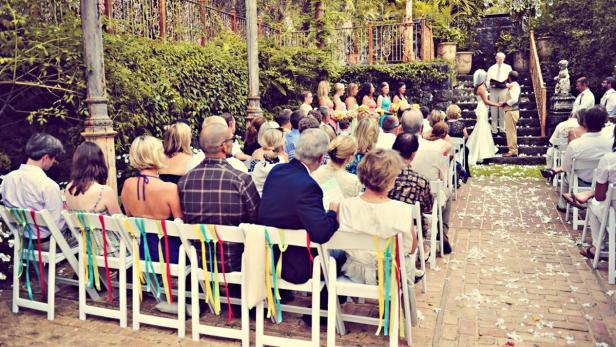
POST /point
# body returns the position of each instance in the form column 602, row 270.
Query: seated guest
column 29, row 187
column 306, row 105
column 284, row 119
column 590, row 146
column 345, row 126
column 176, row 144
column 308, row 122
column 440, row 131
column 457, row 128
column 366, row 134
column 88, row 192
column 559, row 138
column 390, row 127
column 341, row 151
column 237, row 150
column 272, row 154
column 374, row 213
column 434, row 117
column 292, row 136
column 327, row 120
column 577, row 132
column 216, row 193
column 251, row 139
column 292, row 199
column 608, row 100
column 606, row 175
column 425, row 112
column 411, row 187
column 198, row 158
column 147, row 196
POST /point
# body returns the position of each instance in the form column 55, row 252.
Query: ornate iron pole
column 254, row 101
column 98, row 126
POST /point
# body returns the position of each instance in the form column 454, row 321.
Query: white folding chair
column 283, row 238
column 85, row 226
column 436, row 219
column 206, row 238
column 459, row 155
column 611, row 231
column 604, row 210
column 344, row 286
column 575, row 188
column 136, row 229
column 418, row 222
column 560, row 147
column 585, row 227
column 20, row 222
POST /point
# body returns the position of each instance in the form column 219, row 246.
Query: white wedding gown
column 480, row 143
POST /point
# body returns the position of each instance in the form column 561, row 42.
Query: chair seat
column 303, row 287
column 345, row 286
column 45, row 255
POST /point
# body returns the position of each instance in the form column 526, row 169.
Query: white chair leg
column 82, row 284
column 331, row 304
column 181, row 295
column 406, row 296
column 259, row 325
column 136, row 291
column 316, row 301
column 123, row 289
column 586, row 221
column 433, row 233
column 194, row 297
column 245, row 317
column 441, row 227
column 611, row 272
column 422, row 259
column 394, row 326
column 16, row 286
column 51, row 282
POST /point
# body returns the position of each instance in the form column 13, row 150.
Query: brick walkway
column 515, row 277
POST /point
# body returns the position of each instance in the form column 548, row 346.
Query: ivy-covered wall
column 151, row 83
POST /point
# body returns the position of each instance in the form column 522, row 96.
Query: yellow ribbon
column 271, row 308
column 84, row 232
column 136, row 260
column 208, row 289
column 215, row 266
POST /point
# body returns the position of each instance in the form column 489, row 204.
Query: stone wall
column 488, row 31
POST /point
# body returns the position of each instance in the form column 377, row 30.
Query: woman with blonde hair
column 338, row 93
column 341, row 152
column 435, row 116
column 351, row 100
column 146, row 195
column 366, row 134
column 323, row 95
column 440, row 132
column 271, row 139
column 457, row 128
column 374, row 213
column 176, row 145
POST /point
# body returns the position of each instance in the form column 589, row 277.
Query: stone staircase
column 532, row 147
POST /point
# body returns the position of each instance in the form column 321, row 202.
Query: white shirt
column 606, row 171
column 386, row 140
column 609, row 101
column 199, row 156
column 384, row 220
column 584, row 100
column 499, row 75
column 260, row 172
column 349, row 184
column 29, row 187
column 514, row 92
column 608, row 130
column 428, row 160
column 590, row 146
column 562, row 130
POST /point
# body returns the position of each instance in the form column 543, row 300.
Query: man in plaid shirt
column 216, row 193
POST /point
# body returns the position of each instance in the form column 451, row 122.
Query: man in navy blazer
column 292, row 199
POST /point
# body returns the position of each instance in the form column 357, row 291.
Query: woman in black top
column 457, row 128
column 176, row 144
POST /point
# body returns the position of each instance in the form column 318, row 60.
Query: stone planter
column 520, row 61
column 464, row 62
column 447, row 51
column 544, row 47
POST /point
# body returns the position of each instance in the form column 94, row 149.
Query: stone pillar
column 407, row 33
column 254, row 101
column 98, row 126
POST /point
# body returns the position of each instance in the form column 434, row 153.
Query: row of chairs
column 85, row 227
column 603, row 211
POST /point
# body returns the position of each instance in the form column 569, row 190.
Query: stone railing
column 539, row 87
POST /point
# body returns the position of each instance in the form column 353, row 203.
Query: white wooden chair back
column 611, row 230
column 131, row 228
column 100, row 251
column 192, row 236
column 297, row 238
column 436, row 219
column 574, row 185
column 603, row 215
column 352, row 241
column 459, row 148
column 53, row 256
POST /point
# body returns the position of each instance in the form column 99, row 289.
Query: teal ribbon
column 89, row 254
column 387, row 287
column 27, row 253
column 211, row 264
column 274, row 278
column 147, row 258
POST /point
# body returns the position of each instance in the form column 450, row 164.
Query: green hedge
column 151, row 83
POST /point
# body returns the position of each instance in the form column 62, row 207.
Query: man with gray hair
column 29, row 187
column 497, row 86
column 216, row 193
column 292, row 199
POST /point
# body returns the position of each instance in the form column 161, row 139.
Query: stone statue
column 563, row 85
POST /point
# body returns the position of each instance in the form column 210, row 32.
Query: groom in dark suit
column 292, row 199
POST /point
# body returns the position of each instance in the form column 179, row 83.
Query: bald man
column 198, row 158
column 497, row 78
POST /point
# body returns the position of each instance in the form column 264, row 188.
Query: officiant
column 497, row 86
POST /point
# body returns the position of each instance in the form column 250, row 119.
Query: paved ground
column 515, row 278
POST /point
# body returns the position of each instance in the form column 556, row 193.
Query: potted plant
column 516, row 46
column 448, row 38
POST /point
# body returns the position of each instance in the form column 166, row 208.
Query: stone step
column 526, row 150
column 519, row 160
column 470, row 114
column 524, row 140
column 522, row 122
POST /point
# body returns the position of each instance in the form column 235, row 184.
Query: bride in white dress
column 480, row 143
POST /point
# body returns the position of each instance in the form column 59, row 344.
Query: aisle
column 516, row 274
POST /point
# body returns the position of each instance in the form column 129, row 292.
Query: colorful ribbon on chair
column 136, row 260
column 149, row 267
column 89, row 250
column 209, row 281
column 387, row 270
column 224, row 275
column 273, row 273
column 101, row 219
column 165, row 269
column 27, row 252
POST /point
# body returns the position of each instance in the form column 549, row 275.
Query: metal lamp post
column 254, row 101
